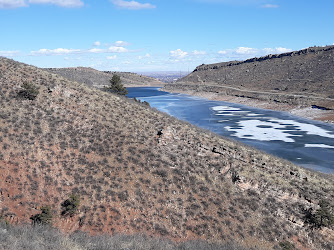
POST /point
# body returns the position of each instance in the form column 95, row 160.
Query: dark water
column 302, row 141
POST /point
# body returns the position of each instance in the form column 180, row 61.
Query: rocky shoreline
column 298, row 110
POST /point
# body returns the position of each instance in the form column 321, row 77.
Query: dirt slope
column 139, row 170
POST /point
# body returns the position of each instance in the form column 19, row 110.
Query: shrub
column 322, row 217
column 43, row 218
column 139, row 101
column 286, row 245
column 71, row 205
column 3, row 220
column 28, row 91
column 161, row 172
column 235, row 176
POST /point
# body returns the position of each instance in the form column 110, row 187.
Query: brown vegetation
column 137, row 170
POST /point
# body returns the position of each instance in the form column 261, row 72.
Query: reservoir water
column 305, row 142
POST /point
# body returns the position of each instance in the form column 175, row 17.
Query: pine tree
column 116, row 85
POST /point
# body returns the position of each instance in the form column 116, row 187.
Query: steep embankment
column 137, row 170
column 99, row 79
column 302, row 78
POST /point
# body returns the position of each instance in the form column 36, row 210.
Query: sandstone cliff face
column 137, row 170
column 304, row 77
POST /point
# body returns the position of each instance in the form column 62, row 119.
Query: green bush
column 29, row 91
column 322, row 217
column 44, row 218
column 139, row 101
column 3, row 220
column 286, row 245
column 71, row 205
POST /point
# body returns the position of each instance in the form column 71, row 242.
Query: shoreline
column 305, row 112
column 143, row 85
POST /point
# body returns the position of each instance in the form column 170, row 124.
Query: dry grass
column 131, row 179
column 41, row 238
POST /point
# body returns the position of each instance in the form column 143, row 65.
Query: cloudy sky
column 158, row 35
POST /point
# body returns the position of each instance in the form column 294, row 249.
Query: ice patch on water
column 276, row 129
column 228, row 114
column 318, row 146
column 310, row 129
column 262, row 131
column 224, row 108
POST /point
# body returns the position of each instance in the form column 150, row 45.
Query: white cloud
column 196, row 52
column 121, row 44
column 6, row 4
column 61, row 3
column 95, row 50
column 117, row 49
column 112, row 57
column 63, row 51
column 242, row 53
column 23, row 3
column 9, row 53
column 278, row 50
column 235, row 2
column 179, row 54
column 281, row 50
column 270, row 6
column 245, row 51
column 97, row 43
column 59, row 51
column 146, row 56
column 132, row 5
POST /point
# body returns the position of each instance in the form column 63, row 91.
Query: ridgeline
column 99, row 79
column 303, row 78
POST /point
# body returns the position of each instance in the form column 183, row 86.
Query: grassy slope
column 76, row 139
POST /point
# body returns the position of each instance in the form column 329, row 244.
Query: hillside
column 137, row 170
column 303, row 78
column 99, row 79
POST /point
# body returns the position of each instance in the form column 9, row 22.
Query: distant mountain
column 105, row 164
column 93, row 77
column 304, row 77
column 166, row 76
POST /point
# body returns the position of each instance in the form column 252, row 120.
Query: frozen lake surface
column 305, row 142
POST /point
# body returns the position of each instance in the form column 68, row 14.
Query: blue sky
column 158, row 35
